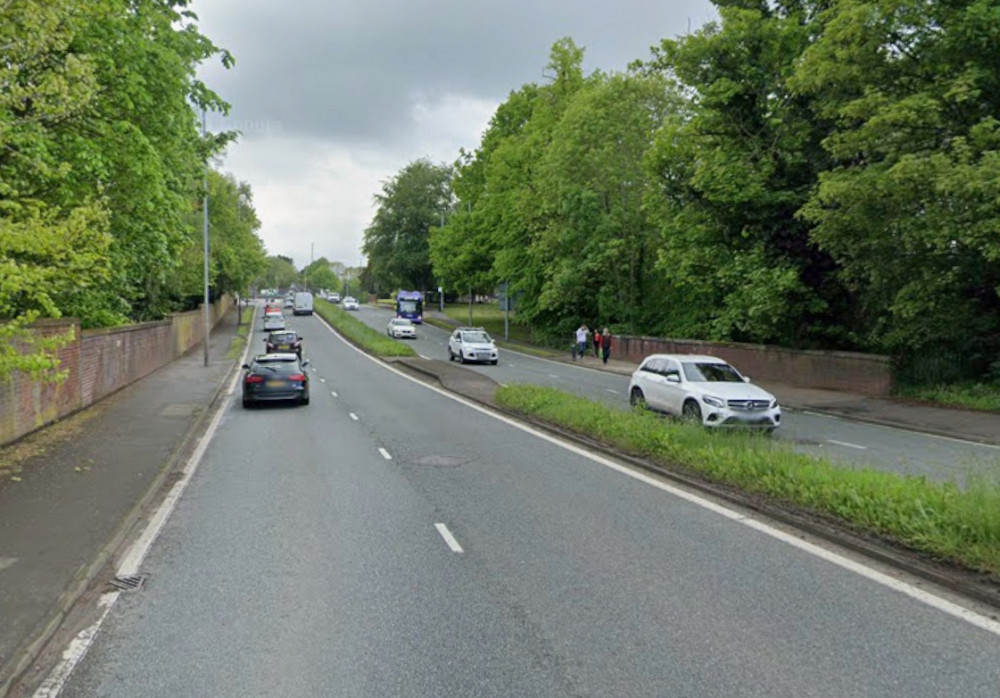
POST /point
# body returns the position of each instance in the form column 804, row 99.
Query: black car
column 272, row 377
column 284, row 341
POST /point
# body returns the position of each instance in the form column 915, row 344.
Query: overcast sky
column 333, row 97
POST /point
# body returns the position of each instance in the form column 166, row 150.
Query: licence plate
column 284, row 346
column 275, row 384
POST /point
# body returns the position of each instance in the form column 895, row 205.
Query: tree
column 321, row 274
column 908, row 207
column 733, row 168
column 236, row 252
column 53, row 253
column 396, row 241
column 279, row 273
column 598, row 239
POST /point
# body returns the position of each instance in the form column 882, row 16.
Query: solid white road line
column 552, row 375
column 914, row 592
column 76, row 651
column 844, row 443
column 424, row 357
column 385, row 454
column 612, row 391
column 353, row 416
column 136, row 553
column 448, row 538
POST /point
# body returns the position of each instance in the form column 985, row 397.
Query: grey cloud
column 350, row 70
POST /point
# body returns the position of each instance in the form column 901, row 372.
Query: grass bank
column 955, row 525
column 239, row 342
column 973, row 396
column 360, row 333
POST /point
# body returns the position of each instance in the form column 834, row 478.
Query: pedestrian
column 605, row 344
column 581, row 342
column 597, row 345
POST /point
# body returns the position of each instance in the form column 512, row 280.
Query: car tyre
column 304, row 401
column 636, row 398
column 494, row 362
column 461, row 358
column 247, row 404
column 691, row 412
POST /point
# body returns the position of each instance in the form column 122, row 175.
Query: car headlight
column 714, row 401
column 774, row 403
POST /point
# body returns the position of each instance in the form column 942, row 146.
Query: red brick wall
column 868, row 374
column 97, row 363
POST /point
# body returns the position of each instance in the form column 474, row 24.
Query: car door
column 674, row 390
column 652, row 383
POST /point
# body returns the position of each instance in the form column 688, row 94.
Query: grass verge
column 973, row 396
column 959, row 526
column 360, row 333
column 239, row 342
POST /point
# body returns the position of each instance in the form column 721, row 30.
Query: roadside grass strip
column 238, row 342
column 360, row 333
column 956, row 525
column 975, row 396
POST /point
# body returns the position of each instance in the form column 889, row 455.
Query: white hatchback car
column 703, row 389
column 472, row 344
column 400, row 327
column 350, row 303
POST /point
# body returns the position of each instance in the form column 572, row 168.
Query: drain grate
column 132, row 582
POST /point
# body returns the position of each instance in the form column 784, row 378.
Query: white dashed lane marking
column 448, row 538
column 385, row 454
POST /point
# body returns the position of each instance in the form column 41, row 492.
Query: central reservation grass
column 360, row 333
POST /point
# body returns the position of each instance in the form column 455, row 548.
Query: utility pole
column 208, row 322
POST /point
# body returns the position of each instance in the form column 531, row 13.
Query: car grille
column 749, row 405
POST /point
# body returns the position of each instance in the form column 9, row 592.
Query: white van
column 303, row 303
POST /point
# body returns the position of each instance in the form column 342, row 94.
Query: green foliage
column 279, row 273
column 908, row 207
column 960, row 525
column 396, row 242
column 322, row 274
column 360, row 333
column 236, row 252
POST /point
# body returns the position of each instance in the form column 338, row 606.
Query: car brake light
column 254, row 379
column 297, row 377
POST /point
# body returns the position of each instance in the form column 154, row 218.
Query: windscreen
column 406, row 306
column 476, row 337
column 280, row 368
column 711, row 373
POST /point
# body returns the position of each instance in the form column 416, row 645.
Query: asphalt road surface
column 389, row 540
column 855, row 444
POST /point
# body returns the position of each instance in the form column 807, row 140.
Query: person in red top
column 597, row 345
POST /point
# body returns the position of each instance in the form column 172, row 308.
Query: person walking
column 597, row 345
column 605, row 345
column 581, row 342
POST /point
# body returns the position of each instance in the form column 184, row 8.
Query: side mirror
column 746, row 379
column 673, row 378
column 246, row 366
column 305, row 363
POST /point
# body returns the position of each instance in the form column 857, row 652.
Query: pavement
column 70, row 494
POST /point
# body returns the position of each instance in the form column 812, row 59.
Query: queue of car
column 704, row 390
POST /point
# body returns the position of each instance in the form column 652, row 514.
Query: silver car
column 400, row 327
column 472, row 344
column 702, row 389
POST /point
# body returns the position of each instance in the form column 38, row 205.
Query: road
column 854, row 444
column 391, row 540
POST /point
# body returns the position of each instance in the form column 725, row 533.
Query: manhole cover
column 441, row 461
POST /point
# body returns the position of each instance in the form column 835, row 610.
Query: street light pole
column 208, row 323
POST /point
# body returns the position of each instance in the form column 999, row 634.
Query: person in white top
column 581, row 341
